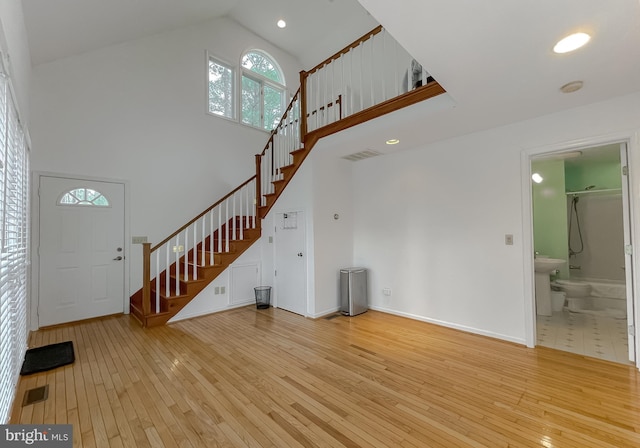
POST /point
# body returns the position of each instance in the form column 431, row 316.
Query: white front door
column 290, row 263
column 81, row 271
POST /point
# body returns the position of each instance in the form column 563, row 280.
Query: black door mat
column 49, row 357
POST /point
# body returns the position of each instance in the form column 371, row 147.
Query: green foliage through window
column 84, row 196
column 263, row 92
column 221, row 89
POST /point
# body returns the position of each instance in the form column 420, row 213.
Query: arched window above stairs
column 263, row 90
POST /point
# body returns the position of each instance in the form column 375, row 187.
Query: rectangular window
column 221, row 88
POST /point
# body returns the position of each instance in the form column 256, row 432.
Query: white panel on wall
column 243, row 279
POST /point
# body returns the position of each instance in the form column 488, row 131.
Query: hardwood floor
column 269, row 378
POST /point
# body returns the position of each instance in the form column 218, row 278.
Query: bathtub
column 606, row 294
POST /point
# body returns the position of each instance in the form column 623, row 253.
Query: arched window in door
column 83, row 197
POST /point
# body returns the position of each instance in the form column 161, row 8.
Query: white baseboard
column 450, row 325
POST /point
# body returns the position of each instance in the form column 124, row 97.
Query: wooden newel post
column 146, row 278
column 303, row 105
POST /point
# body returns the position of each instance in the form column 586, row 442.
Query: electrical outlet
column 222, row 289
column 386, row 291
column 138, row 239
column 216, row 290
column 508, row 240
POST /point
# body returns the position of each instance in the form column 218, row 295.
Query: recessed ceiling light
column 281, row 23
column 537, row 178
column 393, row 141
column 572, row 86
column 571, row 42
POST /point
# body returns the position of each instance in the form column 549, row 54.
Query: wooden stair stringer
column 170, row 306
column 288, row 172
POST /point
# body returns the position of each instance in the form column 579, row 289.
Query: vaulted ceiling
column 316, row 28
column 494, row 58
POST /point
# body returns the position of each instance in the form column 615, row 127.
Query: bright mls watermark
column 36, row 436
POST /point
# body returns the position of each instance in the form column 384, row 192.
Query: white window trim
column 263, row 80
column 238, row 72
column 234, row 69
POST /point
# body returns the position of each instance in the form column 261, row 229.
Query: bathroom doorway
column 581, row 219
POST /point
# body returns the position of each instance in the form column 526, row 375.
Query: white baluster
column 194, row 275
column 226, row 227
column 371, row 66
column 219, row 228
column 384, row 58
column 186, row 254
column 211, row 257
column 178, row 264
column 242, row 212
column 157, row 255
column 203, row 246
column 233, row 217
column 166, row 270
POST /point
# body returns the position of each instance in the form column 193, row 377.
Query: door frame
column 32, row 315
column 307, row 250
column 632, row 140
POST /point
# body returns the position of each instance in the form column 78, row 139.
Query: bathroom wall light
column 281, row 23
column 537, row 178
column 571, row 43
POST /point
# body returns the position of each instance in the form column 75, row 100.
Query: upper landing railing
column 374, row 74
column 368, row 78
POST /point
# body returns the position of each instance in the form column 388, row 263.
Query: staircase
column 181, row 266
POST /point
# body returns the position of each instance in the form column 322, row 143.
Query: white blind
column 14, row 231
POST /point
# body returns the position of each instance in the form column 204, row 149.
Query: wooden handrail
column 345, row 50
column 154, row 248
column 284, row 116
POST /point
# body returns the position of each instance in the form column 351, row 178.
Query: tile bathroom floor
column 597, row 336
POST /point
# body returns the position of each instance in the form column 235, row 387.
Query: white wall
column 136, row 112
column 431, row 223
column 332, row 238
column 208, row 301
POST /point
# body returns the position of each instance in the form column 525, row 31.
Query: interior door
column 628, row 253
column 290, row 262
column 81, row 250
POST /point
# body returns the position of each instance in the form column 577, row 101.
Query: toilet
column 578, row 293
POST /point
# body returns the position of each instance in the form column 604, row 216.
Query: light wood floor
column 269, row 378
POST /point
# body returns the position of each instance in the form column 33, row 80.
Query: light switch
column 508, row 239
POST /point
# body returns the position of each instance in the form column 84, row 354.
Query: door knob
column 299, row 254
column 118, row 258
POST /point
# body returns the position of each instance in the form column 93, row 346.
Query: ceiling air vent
column 366, row 154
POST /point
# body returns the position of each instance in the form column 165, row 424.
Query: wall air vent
column 366, row 154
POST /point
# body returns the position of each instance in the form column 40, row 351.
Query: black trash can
column 263, row 297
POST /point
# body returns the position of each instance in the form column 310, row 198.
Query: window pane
column 251, row 102
column 84, row 196
column 220, row 89
column 260, row 63
column 273, row 100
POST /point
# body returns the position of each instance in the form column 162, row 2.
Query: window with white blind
column 14, row 230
